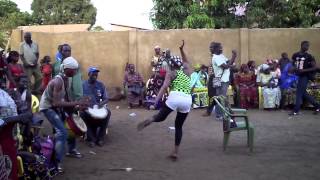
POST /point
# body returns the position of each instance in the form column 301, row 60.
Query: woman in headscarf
column 153, row 88
column 246, row 86
column 199, row 80
column 270, row 90
column 134, row 82
column 179, row 99
column 288, row 83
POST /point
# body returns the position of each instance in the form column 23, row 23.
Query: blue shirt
column 97, row 91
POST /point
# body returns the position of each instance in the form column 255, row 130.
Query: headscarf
column 175, row 61
column 197, row 67
column 69, row 63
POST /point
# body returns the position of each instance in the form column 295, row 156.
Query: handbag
column 216, row 81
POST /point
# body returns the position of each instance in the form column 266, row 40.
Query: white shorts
column 179, row 101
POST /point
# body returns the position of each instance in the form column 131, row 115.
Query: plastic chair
column 231, row 122
column 34, row 104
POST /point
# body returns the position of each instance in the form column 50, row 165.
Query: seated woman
column 133, row 81
column 288, row 83
column 15, row 70
column 199, row 80
column 153, row 88
column 246, row 85
column 270, row 91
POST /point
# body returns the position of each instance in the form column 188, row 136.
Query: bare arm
column 10, row 77
column 57, row 102
column 231, row 61
column 164, row 87
column 185, row 60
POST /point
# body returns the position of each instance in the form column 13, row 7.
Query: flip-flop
column 143, row 124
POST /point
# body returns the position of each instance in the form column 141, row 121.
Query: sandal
column 74, row 153
column 144, row 124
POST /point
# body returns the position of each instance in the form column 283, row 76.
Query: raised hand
column 182, row 45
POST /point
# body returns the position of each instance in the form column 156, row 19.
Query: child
column 46, row 70
column 15, row 70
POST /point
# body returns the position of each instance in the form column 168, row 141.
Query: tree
column 97, row 29
column 10, row 18
column 167, row 14
column 63, row 12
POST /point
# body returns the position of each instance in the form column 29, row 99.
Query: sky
column 125, row 12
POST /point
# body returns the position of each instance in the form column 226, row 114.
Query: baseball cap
column 93, row 69
column 1, row 49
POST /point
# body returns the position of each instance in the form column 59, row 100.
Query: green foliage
column 171, row 14
column 10, row 18
column 63, row 12
column 97, row 28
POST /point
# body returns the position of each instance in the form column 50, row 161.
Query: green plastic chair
column 234, row 120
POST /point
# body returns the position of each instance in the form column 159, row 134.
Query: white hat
column 1, row 49
column 70, row 63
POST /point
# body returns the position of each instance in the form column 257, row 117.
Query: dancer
column 179, row 99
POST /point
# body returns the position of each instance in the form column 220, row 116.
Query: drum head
column 98, row 113
column 79, row 123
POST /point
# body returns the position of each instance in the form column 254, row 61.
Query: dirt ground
column 285, row 149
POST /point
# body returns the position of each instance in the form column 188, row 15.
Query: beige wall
column 56, row 28
column 110, row 51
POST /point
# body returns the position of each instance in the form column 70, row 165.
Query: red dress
column 46, row 70
column 247, row 90
column 16, row 71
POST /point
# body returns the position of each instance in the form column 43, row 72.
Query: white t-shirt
column 217, row 61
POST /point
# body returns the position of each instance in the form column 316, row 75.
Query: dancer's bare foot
column 173, row 157
column 144, row 124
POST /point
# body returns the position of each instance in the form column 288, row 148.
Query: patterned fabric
column 247, row 90
column 182, row 83
column 7, row 105
column 134, row 83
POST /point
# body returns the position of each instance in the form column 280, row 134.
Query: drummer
column 54, row 103
column 96, row 128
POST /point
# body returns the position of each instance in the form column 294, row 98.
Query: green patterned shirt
column 182, row 83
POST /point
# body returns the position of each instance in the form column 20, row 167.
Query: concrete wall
column 110, row 51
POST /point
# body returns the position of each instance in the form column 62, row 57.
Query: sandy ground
column 285, row 148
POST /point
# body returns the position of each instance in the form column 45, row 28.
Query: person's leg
column 90, row 127
column 301, row 89
column 161, row 116
column 28, row 72
column 223, row 92
column 103, row 127
column 60, row 135
column 180, row 118
column 37, row 79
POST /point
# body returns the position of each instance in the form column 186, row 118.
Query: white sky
column 125, row 12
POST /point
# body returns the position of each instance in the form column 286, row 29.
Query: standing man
column 29, row 54
column 221, row 68
column 76, row 91
column 54, row 101
column 305, row 65
column 98, row 96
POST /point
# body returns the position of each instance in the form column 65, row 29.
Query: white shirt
column 217, row 61
column 29, row 52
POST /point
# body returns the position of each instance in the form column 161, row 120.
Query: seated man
column 96, row 127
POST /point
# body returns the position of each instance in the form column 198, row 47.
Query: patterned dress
column 246, row 84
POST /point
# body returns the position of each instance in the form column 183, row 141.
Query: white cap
column 1, row 49
column 70, row 63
